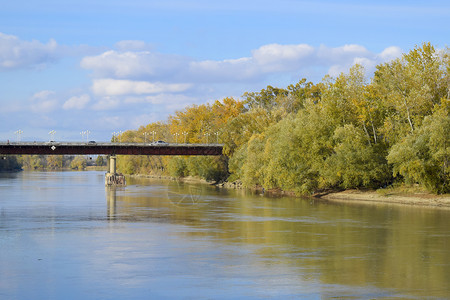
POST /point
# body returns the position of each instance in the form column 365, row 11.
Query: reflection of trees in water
column 334, row 243
column 176, row 193
column 158, row 200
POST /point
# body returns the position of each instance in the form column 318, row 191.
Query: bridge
column 110, row 149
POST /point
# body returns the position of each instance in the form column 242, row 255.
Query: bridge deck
column 91, row 148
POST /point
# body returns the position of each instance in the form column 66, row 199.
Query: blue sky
column 108, row 66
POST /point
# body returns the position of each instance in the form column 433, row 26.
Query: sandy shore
column 419, row 199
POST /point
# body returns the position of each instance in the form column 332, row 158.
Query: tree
column 287, row 165
column 79, row 163
column 254, row 165
column 424, row 156
column 100, row 161
column 238, row 130
column 177, row 167
column 211, row 168
column 55, row 162
column 355, row 162
column 33, row 162
column 297, row 94
column 410, row 86
column 204, row 123
column 265, row 99
column 287, row 154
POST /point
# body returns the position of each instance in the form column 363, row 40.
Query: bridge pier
column 112, row 178
column 112, row 164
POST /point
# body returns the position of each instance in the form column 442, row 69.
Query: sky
column 108, row 66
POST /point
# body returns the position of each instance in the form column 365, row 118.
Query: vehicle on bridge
column 159, row 143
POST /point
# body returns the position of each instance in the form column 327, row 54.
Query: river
column 63, row 235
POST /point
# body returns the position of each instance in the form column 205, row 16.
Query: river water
column 63, row 235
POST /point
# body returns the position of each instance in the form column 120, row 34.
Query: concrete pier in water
column 112, row 178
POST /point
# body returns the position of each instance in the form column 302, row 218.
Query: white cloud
column 265, row 61
column 43, row 102
column 342, row 58
column 133, row 45
column 77, row 102
column 16, row 53
column 107, row 103
column 116, row 87
column 340, row 55
column 129, row 64
column 162, row 99
column 389, row 53
column 141, row 120
column 222, row 71
column 368, row 64
column 279, row 58
column 109, row 122
column 42, row 95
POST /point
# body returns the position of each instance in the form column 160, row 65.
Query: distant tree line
column 49, row 162
column 9, row 163
column 342, row 133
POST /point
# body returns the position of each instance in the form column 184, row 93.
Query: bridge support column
column 112, row 164
column 112, row 178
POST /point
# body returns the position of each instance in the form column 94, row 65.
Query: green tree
column 297, row 94
column 177, row 167
column 100, row 161
column 286, row 164
column 289, row 154
column 55, row 162
column 79, row 163
column 410, row 86
column 239, row 130
column 310, row 145
column 266, row 98
column 254, row 164
column 32, row 162
column 423, row 157
column 211, row 168
column 355, row 162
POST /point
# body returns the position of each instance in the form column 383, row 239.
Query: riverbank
column 96, row 168
column 400, row 195
column 395, row 196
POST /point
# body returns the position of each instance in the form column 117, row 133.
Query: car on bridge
column 159, row 143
